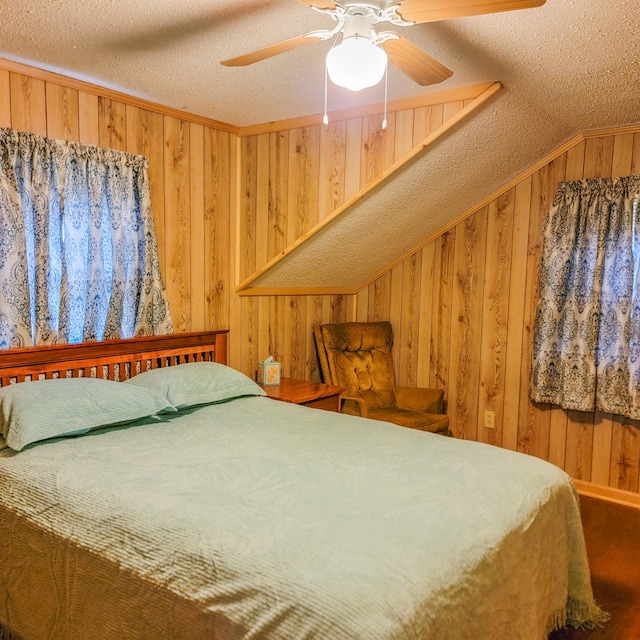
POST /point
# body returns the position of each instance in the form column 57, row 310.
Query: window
column 78, row 254
column 586, row 342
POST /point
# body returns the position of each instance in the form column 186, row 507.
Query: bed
column 221, row 513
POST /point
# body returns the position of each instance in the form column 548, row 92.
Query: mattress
column 260, row 519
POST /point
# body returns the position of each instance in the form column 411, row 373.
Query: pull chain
column 325, row 117
column 386, row 78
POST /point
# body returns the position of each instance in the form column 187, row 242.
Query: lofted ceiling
column 565, row 67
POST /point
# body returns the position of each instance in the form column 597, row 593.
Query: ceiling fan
column 360, row 60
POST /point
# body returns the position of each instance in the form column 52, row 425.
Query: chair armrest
column 354, row 407
column 420, row 399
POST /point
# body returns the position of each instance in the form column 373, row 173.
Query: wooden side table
column 309, row 394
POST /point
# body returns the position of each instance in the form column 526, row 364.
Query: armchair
column 357, row 357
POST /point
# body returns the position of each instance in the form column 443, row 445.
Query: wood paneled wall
column 201, row 175
column 461, row 306
column 290, row 181
column 190, row 168
column 462, row 309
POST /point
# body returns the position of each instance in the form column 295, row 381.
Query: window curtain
column 78, row 254
column 586, row 338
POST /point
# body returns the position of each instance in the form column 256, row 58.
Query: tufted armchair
column 357, row 357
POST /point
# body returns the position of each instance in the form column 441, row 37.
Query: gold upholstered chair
column 357, row 357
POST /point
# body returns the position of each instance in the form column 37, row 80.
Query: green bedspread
column 259, row 519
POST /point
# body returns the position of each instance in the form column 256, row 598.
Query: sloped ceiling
column 566, row 67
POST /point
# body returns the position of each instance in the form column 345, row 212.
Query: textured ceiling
column 566, row 67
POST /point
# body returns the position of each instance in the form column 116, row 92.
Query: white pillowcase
column 43, row 409
column 195, row 383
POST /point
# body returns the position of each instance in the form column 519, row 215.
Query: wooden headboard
column 112, row 359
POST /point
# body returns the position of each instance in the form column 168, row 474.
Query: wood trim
column 414, row 102
column 462, row 93
column 430, row 139
column 86, row 87
column 609, row 494
column 611, row 131
column 297, row 291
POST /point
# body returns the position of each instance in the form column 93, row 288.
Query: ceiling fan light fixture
column 356, row 63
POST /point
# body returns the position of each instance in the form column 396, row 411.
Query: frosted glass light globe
column 356, row 63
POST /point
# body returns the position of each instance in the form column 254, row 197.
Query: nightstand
column 309, row 394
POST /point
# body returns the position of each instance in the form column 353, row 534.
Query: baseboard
column 610, row 494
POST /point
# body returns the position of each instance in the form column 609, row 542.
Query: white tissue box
column 269, row 372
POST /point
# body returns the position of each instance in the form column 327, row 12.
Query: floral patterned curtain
column 78, row 254
column 586, row 340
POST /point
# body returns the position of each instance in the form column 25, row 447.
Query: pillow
column 193, row 383
column 34, row 411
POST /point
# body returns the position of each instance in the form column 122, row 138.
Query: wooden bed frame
column 112, row 359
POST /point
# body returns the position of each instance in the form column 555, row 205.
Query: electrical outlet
column 489, row 420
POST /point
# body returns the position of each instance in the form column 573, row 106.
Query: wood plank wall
column 282, row 183
column 461, row 306
column 290, row 181
column 189, row 173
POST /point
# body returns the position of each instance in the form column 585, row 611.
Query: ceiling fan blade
column 273, row 50
column 421, row 11
column 414, row 62
column 320, row 4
